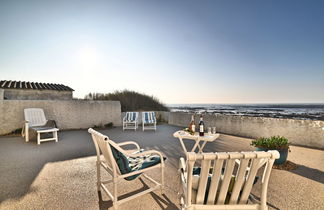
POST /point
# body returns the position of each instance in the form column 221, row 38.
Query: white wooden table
column 195, row 137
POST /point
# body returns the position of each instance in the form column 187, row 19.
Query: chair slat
column 217, row 170
column 249, row 182
column 226, row 181
column 240, row 178
column 205, row 166
column 189, row 180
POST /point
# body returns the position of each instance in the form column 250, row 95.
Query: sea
column 286, row 111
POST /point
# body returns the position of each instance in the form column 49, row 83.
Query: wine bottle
column 192, row 126
column 201, row 126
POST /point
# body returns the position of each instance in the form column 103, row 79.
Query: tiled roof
column 5, row 84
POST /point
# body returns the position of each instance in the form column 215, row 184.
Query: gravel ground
column 62, row 175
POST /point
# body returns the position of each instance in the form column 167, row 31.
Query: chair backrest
column 35, row 116
column 222, row 179
column 131, row 116
column 103, row 146
column 148, row 117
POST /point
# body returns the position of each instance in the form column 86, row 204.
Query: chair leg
column 26, row 135
column 162, row 180
column 98, row 177
column 115, row 205
column 55, row 136
column 38, row 138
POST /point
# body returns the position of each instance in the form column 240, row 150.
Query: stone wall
column 26, row 94
column 300, row 132
column 1, row 94
column 68, row 114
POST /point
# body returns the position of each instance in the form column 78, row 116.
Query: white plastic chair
column 36, row 121
column 109, row 149
column 130, row 121
column 148, row 120
column 224, row 180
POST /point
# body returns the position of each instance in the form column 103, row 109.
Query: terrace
column 63, row 175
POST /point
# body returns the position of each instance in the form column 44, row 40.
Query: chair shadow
column 105, row 204
column 309, row 173
column 165, row 200
column 257, row 199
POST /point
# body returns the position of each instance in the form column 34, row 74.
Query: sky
column 203, row 51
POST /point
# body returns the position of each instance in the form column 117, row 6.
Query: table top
column 185, row 135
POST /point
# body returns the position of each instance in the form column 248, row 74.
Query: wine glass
column 214, row 130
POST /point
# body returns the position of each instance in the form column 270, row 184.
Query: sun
column 88, row 56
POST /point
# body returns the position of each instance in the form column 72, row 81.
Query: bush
column 273, row 142
column 101, row 126
column 130, row 100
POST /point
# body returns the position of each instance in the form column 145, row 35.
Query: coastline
column 281, row 111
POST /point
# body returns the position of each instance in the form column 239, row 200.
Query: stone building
column 20, row 90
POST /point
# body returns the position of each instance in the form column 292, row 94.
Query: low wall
column 1, row 94
column 299, row 132
column 68, row 114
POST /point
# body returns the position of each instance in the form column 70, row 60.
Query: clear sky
column 179, row 51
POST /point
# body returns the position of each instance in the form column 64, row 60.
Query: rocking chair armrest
column 182, row 165
column 128, row 143
column 182, row 171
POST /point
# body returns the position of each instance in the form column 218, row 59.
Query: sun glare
column 88, row 57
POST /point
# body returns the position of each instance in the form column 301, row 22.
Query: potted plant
column 279, row 143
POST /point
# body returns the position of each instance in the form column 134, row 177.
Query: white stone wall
column 300, row 132
column 68, row 114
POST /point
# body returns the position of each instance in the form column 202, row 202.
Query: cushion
column 130, row 116
column 129, row 164
column 121, row 160
column 149, row 117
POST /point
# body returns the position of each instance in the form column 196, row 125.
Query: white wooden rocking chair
column 224, row 180
column 114, row 163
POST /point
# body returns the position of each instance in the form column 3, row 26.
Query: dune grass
column 130, row 100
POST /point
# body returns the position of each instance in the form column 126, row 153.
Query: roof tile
column 8, row 84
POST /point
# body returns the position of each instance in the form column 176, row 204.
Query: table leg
column 195, row 146
column 202, row 146
column 183, row 146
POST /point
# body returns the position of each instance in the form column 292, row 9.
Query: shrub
column 273, row 142
column 130, row 100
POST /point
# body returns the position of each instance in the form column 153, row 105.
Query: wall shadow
column 309, row 173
